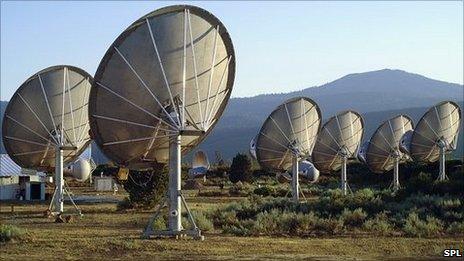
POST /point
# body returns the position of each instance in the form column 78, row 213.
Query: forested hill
column 377, row 95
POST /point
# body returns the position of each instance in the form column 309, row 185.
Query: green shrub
column 202, row 221
column 222, row 218
column 267, row 222
column 146, row 188
column 414, row 226
column 264, row 191
column 456, row 228
column 379, row 225
column 298, row 223
column 353, row 218
column 212, row 193
column 242, row 229
column 240, row 189
column 331, row 226
column 160, row 223
column 10, row 233
column 277, row 222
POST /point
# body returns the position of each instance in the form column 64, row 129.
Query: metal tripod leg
column 149, row 228
column 302, row 194
column 66, row 191
column 196, row 232
column 49, row 212
column 349, row 188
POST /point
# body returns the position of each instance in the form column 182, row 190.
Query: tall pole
column 442, row 174
column 174, row 184
column 343, row 176
column 295, row 185
column 58, row 180
column 396, row 175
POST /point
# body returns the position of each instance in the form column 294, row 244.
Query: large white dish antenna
column 383, row 152
column 46, row 122
column 435, row 134
column 48, row 110
column 287, row 136
column 159, row 90
column 171, row 72
column 338, row 141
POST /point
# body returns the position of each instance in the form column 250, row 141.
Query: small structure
column 17, row 183
column 103, row 183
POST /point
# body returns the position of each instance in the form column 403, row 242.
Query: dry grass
column 104, row 233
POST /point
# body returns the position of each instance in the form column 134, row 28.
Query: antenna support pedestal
column 295, row 182
column 442, row 176
column 396, row 175
column 59, row 180
column 56, row 207
column 175, row 199
column 344, row 183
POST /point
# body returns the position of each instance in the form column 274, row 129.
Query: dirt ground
column 104, row 233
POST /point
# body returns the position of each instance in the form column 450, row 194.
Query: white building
column 17, row 183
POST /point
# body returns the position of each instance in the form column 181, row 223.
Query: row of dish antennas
column 158, row 92
column 292, row 140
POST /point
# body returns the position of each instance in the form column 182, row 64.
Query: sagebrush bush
column 417, row 227
column 213, row 193
column 379, row 212
column 379, row 225
column 331, row 226
column 242, row 229
column 264, row 191
column 353, row 218
column 240, row 189
column 268, row 222
column 160, row 223
column 202, row 221
column 10, row 233
column 456, row 228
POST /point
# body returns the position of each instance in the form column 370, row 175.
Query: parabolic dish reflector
column 49, row 109
column 384, row 144
column 439, row 123
column 168, row 73
column 340, row 136
column 200, row 160
column 291, row 129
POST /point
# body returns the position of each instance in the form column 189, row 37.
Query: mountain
column 377, row 95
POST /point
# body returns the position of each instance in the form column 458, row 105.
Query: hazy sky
column 280, row 46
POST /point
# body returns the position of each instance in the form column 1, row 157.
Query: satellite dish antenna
column 200, row 165
column 287, row 136
column 338, row 141
column 307, row 171
column 253, row 147
column 383, row 152
column 436, row 134
column 158, row 91
column 405, row 142
column 46, row 124
column 82, row 168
